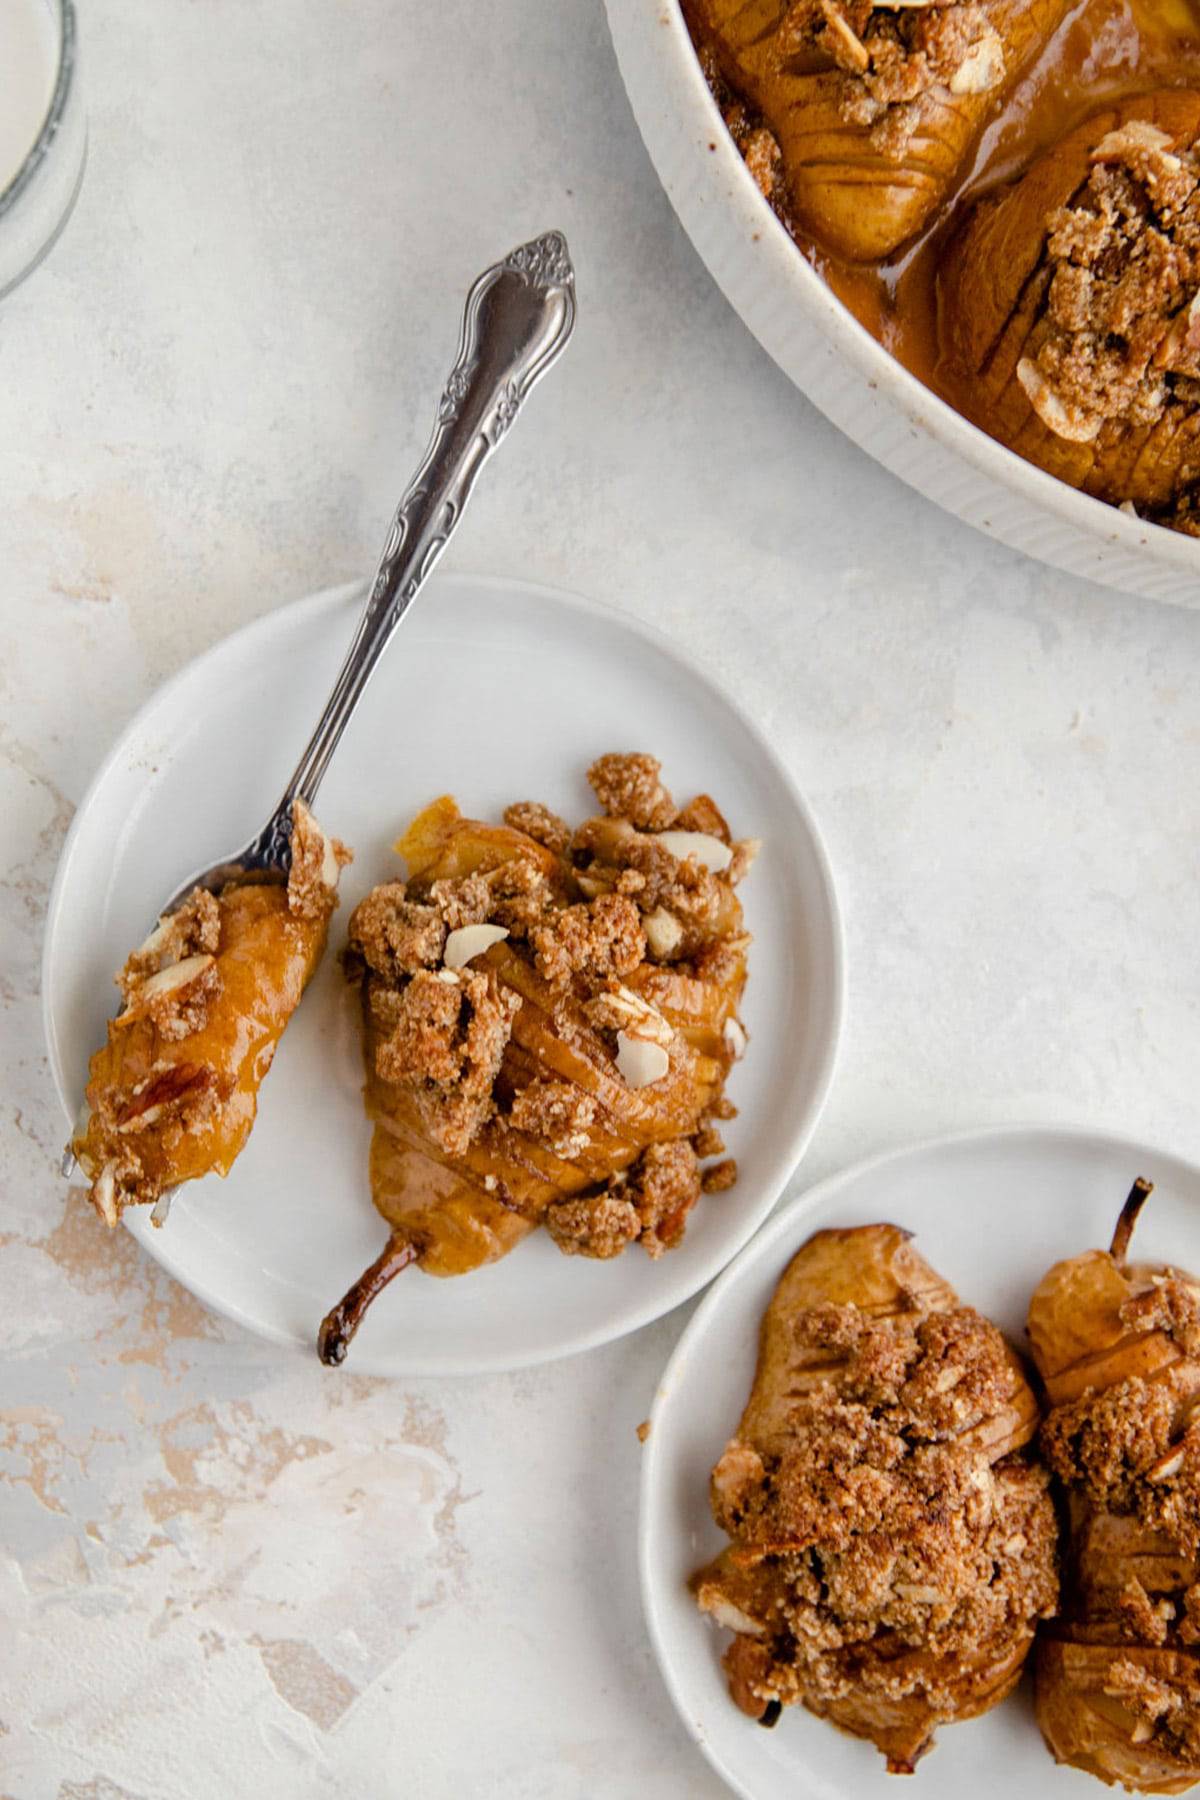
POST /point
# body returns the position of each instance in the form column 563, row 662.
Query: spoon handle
column 518, row 318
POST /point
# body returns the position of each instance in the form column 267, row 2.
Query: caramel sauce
column 1104, row 50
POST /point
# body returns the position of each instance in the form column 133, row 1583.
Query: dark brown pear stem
column 770, row 1714
column 1139, row 1193
column 339, row 1325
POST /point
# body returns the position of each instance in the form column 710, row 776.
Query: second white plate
column 991, row 1211
column 493, row 691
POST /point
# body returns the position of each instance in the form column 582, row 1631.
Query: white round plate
column 991, row 1211
column 493, row 691
column 837, row 363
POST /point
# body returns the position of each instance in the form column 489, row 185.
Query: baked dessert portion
column 1118, row 1675
column 1070, row 309
column 549, row 1017
column 892, row 1544
column 857, row 118
column 173, row 1093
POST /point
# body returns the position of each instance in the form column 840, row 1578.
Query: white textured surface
column 217, row 1557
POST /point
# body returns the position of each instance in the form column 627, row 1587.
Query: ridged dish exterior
column 838, row 364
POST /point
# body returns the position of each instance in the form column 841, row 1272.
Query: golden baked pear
column 871, row 110
column 1118, row 1678
column 548, row 1021
column 892, row 1544
column 1069, row 308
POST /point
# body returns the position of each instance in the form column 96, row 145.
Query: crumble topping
column 1169, row 1712
column 192, row 929
column 556, row 1112
column 583, row 918
column 600, row 937
column 443, row 1040
column 317, row 862
column 870, row 1527
column 628, row 787
column 894, row 67
column 394, row 935
column 539, row 823
column 1121, row 341
column 1121, row 1448
column 598, row 1225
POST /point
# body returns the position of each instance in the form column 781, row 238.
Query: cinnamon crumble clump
column 597, row 938
column 597, row 1225
column 1121, row 340
column 539, row 823
column 628, row 787
column 394, row 935
column 664, row 1187
column 557, row 1112
column 444, row 1041
column 192, row 929
column 1119, row 1448
column 317, row 861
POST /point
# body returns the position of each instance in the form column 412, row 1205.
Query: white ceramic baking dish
column 838, row 364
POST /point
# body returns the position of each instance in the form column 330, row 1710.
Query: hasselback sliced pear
column 874, row 108
column 1068, row 317
column 892, row 1545
column 1118, row 1675
column 563, row 1073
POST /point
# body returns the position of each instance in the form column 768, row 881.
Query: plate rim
column 768, row 1235
column 799, row 1138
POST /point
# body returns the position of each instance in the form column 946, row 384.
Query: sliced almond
column 470, row 941
column 640, row 1062
column 664, row 933
column 982, row 68
column 161, row 1210
column 174, row 980
column 1166, row 1466
column 305, row 826
column 852, row 46
column 645, row 1021
column 1076, row 428
column 1142, row 1732
column 104, row 1195
column 720, row 1607
column 708, row 851
column 735, row 1037
column 152, row 945
column 447, row 976
column 920, row 1596
column 1137, row 134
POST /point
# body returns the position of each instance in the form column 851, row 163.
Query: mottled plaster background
column 224, row 1570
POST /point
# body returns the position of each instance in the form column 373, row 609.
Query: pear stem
column 1139, row 1193
column 340, row 1324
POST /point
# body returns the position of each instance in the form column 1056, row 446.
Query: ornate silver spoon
column 519, row 315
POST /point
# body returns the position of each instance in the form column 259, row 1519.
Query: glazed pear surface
column 1118, row 1675
column 892, row 1545
column 1070, row 308
column 868, row 112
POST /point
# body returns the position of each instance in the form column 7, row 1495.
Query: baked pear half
column 892, row 1542
column 173, row 1092
column 549, row 1018
column 868, row 112
column 1069, row 308
column 1118, row 1675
